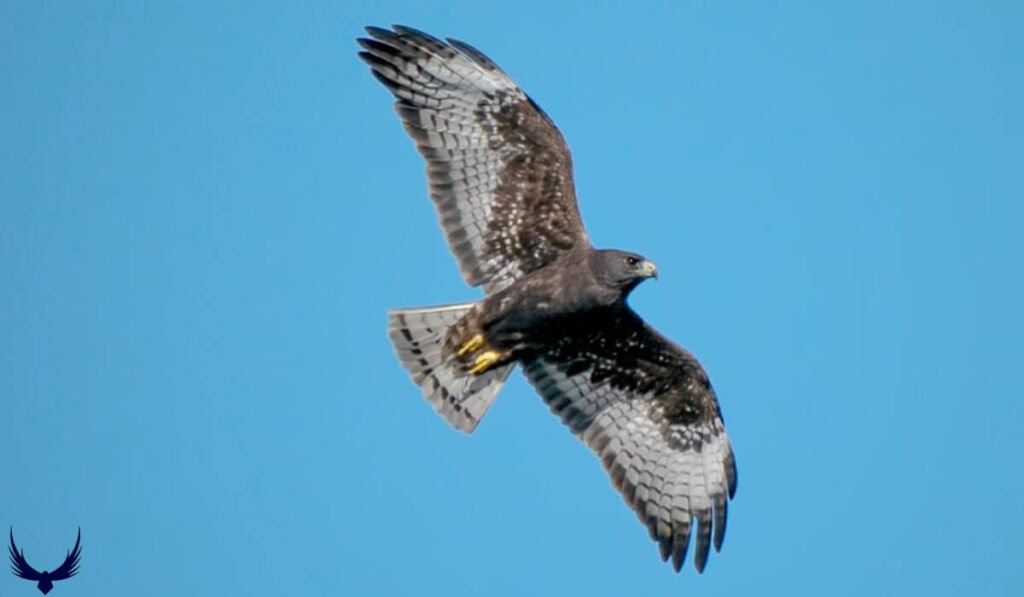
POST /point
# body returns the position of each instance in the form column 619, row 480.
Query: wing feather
column 70, row 566
column 19, row 566
column 499, row 171
column 646, row 408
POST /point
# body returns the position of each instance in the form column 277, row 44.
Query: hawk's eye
column 632, row 261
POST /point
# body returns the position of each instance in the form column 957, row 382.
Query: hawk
column 500, row 177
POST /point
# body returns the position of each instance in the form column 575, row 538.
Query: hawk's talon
column 471, row 345
column 484, row 362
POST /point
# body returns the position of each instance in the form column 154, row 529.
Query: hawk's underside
column 500, row 176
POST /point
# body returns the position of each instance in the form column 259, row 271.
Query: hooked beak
column 648, row 269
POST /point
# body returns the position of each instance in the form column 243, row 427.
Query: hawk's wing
column 19, row 566
column 646, row 407
column 500, row 173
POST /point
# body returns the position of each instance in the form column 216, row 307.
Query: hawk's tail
column 418, row 336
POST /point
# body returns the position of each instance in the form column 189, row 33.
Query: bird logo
column 69, row 568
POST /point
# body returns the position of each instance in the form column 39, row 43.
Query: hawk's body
column 500, row 176
column 528, row 317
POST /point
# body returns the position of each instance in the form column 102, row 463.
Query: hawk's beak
column 648, row 269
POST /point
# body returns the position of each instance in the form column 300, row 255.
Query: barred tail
column 418, row 336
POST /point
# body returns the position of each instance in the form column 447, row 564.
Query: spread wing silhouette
column 70, row 566
column 21, row 568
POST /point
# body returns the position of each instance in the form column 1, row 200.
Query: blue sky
column 205, row 213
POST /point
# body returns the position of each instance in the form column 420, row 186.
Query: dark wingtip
column 368, row 58
column 677, row 562
column 377, row 32
column 702, row 548
column 399, row 28
column 474, row 54
column 376, row 46
column 413, row 32
column 721, row 516
column 664, row 550
column 680, row 545
column 731, row 475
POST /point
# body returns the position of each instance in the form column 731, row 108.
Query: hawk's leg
column 477, row 357
column 471, row 345
column 485, row 361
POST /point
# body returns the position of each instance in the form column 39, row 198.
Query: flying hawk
column 500, row 176
column 21, row 568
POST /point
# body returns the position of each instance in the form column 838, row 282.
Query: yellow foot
column 484, row 362
column 471, row 345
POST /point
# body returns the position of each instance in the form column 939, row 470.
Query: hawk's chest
column 537, row 308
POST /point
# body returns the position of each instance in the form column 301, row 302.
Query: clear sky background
column 206, row 211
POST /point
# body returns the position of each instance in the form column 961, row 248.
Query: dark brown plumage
column 500, row 176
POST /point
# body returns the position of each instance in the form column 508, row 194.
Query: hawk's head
column 621, row 270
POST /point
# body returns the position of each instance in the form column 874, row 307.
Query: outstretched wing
column 19, row 566
column 499, row 171
column 70, row 566
column 646, row 407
